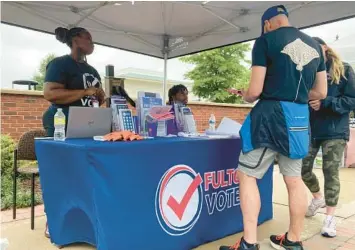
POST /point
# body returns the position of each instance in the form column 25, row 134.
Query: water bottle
column 59, row 125
column 212, row 123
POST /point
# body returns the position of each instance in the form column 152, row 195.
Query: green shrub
column 23, row 192
column 6, row 187
column 7, row 155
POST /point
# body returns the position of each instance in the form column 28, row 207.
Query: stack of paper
column 227, row 127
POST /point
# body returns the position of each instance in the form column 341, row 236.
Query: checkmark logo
column 180, row 207
column 179, row 199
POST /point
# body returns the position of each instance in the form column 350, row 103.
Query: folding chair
column 26, row 151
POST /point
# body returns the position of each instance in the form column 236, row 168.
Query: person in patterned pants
column 329, row 120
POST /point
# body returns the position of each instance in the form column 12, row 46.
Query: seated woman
column 178, row 93
column 70, row 80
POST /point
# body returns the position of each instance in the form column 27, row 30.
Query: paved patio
column 22, row 238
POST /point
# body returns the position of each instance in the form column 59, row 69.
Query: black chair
column 25, row 82
column 25, row 150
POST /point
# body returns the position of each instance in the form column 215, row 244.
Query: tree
column 218, row 70
column 40, row 75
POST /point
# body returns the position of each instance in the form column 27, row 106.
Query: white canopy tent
column 166, row 29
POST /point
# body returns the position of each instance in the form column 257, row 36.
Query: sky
column 22, row 51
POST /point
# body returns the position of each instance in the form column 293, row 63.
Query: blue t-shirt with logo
column 73, row 75
column 280, row 119
column 292, row 59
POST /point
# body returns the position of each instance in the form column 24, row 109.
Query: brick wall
column 22, row 111
column 202, row 112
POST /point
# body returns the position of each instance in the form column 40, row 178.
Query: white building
column 149, row 81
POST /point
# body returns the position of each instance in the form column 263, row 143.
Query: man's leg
column 252, row 166
column 333, row 151
column 311, row 180
column 297, row 198
column 250, row 205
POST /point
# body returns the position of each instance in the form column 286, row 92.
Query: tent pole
column 165, row 77
column 165, row 54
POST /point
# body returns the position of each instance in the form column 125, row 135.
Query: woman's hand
column 101, row 95
column 90, row 91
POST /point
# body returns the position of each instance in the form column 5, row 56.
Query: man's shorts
column 257, row 162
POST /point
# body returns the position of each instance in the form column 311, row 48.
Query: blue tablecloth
column 171, row 193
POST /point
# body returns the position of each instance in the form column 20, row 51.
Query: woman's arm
column 56, row 93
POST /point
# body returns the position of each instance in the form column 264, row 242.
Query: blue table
column 171, row 193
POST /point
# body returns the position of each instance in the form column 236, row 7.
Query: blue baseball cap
column 272, row 12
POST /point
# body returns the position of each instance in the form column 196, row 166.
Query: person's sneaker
column 329, row 227
column 281, row 242
column 241, row 245
column 314, row 206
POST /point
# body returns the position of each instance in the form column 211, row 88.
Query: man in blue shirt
column 288, row 70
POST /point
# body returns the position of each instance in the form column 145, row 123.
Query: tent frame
column 166, row 47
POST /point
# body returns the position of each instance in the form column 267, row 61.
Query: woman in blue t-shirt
column 70, row 80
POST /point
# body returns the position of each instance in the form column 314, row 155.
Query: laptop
column 87, row 122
